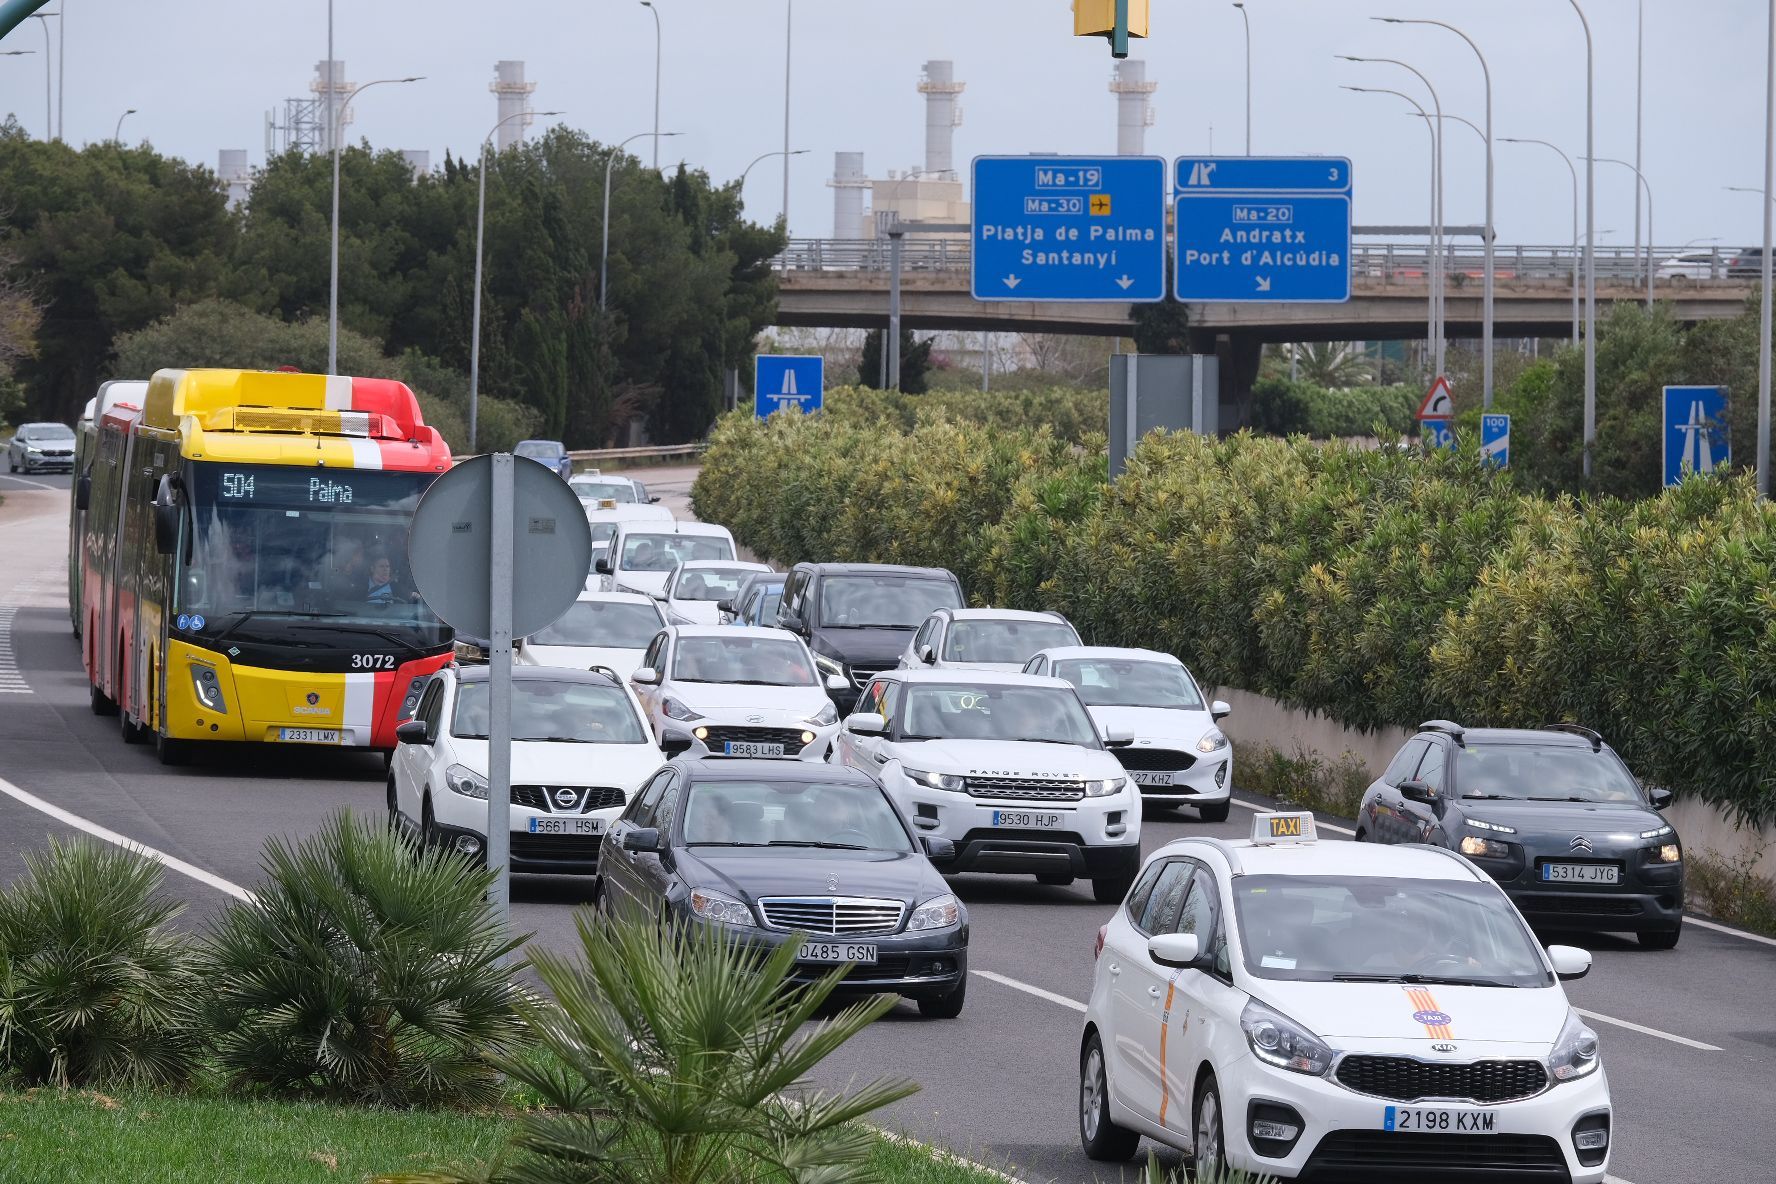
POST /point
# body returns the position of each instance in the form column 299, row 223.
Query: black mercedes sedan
column 790, row 850
column 1552, row 814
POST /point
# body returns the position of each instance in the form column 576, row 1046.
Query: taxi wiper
column 1437, row 980
column 815, row 843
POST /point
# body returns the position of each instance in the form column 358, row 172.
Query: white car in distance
column 984, row 639
column 1337, row 1010
column 642, row 555
column 608, row 629
column 580, row 750
column 694, row 591
column 1179, row 757
column 732, row 690
column 603, row 518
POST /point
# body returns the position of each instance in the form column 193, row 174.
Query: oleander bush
column 1071, row 414
column 94, row 990
column 1284, row 408
column 1377, row 586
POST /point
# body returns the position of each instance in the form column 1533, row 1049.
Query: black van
column 857, row 617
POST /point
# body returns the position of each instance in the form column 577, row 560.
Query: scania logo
column 1581, row 843
column 312, row 698
column 1442, row 1046
column 566, row 797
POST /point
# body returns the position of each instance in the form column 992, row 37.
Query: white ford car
column 695, row 589
column 728, row 690
column 608, row 629
column 1179, row 757
column 984, row 639
column 642, row 555
column 580, row 750
column 1008, row 767
column 1337, row 1010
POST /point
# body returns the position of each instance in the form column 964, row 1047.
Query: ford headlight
column 1105, row 787
column 828, row 714
column 830, row 665
column 1278, row 1040
column 937, row 780
column 678, row 711
column 1213, row 740
column 1575, row 1053
column 464, row 780
column 940, row 913
column 719, row 909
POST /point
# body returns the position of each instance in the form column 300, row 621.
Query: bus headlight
column 208, row 689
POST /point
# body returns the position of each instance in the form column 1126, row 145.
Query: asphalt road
column 1688, row 1038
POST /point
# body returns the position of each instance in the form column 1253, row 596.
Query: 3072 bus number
column 373, row 661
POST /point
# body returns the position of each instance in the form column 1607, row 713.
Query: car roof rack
column 1596, row 738
column 1448, row 727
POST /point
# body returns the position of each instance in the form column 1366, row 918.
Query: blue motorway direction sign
column 1696, row 438
column 1495, row 440
column 787, row 380
column 1069, row 228
column 1261, row 229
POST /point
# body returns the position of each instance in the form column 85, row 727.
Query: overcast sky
column 204, row 72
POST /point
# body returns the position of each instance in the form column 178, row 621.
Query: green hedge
column 1072, row 414
column 1379, row 587
column 1284, row 408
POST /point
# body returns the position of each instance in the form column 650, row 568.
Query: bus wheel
column 101, row 702
column 133, row 732
column 172, row 752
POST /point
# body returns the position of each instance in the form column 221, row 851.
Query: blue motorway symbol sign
column 1438, row 433
column 787, row 380
column 1069, row 228
column 1495, row 440
column 1257, row 229
column 1696, row 438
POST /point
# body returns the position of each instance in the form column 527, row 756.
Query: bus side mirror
column 166, row 517
column 83, row 492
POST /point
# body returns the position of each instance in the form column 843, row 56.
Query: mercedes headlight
column 937, row 780
column 464, row 780
column 1213, row 740
column 939, row 913
column 830, row 665
column 1575, row 1053
column 678, row 711
column 1105, row 787
column 719, row 909
column 828, row 714
column 1278, row 1040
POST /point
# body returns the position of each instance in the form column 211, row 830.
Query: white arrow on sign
column 1263, row 283
column 1012, row 281
column 1124, row 282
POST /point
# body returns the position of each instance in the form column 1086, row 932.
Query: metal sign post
column 499, row 684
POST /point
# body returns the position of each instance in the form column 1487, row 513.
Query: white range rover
column 1008, row 767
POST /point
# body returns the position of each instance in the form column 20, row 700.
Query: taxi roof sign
column 1270, row 829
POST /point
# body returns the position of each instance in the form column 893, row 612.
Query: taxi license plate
column 1148, row 777
column 751, row 748
column 567, row 826
column 1431, row 1118
column 838, row 951
column 1029, row 819
column 309, row 735
column 1581, row 873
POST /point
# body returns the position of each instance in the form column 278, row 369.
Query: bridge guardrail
column 650, row 452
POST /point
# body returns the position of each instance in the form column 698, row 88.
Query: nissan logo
column 565, row 797
column 1581, row 843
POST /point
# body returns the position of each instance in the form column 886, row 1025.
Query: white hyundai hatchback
column 1179, row 756
column 1295, row 1008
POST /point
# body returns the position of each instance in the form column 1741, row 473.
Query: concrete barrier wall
column 1258, row 720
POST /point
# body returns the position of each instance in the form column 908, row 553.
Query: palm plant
column 363, row 970
column 1332, row 365
column 92, row 989
column 679, row 1057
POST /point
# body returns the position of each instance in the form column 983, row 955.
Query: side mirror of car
column 645, row 839
column 414, row 731
column 1569, row 962
column 837, row 682
column 602, row 565
column 1660, row 798
column 792, row 623
column 939, row 849
column 927, row 655
column 725, row 606
column 866, row 723
column 646, row 676
column 83, row 493
column 653, row 498
column 1118, row 737
column 1417, row 791
column 1219, row 710
column 1177, row 950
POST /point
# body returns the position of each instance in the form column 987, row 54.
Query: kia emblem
column 1442, row 1046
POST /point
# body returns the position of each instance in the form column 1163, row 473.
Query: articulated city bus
column 244, row 560
column 86, row 446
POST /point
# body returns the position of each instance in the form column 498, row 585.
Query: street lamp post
column 1590, row 238
column 1639, row 78
column 475, row 323
column 1487, row 296
column 757, row 159
column 649, row 5
column 1431, row 311
column 48, row 54
column 1241, row 5
column 1571, row 168
column 1763, row 437
column 1641, row 183
column 788, row 30
column 117, row 135
column 333, row 134
column 604, row 250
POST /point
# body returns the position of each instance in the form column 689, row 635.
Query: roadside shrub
column 1305, row 780
column 93, row 989
column 1284, row 408
column 1730, row 889
column 363, row 971
column 1070, row 413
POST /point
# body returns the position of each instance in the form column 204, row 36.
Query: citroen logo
column 566, row 797
column 1581, row 843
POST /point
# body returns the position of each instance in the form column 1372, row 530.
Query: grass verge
column 1729, row 891
column 1304, row 780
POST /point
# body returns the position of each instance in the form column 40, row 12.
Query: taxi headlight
column 1668, row 853
column 939, row 913
column 948, row 781
column 1213, row 740
column 1575, row 1053
column 464, row 780
column 678, row 711
column 720, row 909
column 1485, row 848
column 1278, row 1040
column 1105, row 787
column 828, row 714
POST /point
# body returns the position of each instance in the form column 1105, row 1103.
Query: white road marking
column 1256, row 808
column 1690, row 919
column 1028, row 989
column 941, row 1155
column 1646, row 1031
column 172, row 863
column 26, row 595
column 28, row 483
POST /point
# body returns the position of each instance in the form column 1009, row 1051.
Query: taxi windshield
column 593, row 491
column 1050, row 715
column 1106, row 682
column 792, row 814
column 1542, row 773
column 663, row 552
column 547, row 710
column 709, row 583
column 1377, row 929
column 1004, row 640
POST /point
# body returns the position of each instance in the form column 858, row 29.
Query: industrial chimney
column 514, row 103
column 236, row 176
column 1134, row 114
column 942, row 117
column 331, row 76
column 848, row 185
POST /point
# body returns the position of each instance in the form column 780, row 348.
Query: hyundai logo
column 755, row 719
column 1581, row 843
column 565, row 797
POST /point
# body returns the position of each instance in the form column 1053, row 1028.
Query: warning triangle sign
column 1437, row 401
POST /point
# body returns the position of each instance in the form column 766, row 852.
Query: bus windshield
column 273, row 546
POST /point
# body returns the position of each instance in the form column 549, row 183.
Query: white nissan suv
column 1008, row 767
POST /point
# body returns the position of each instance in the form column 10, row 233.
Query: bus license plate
column 309, row 735
column 567, row 826
column 1029, row 819
column 864, row 954
column 1580, row 873
column 1430, row 1118
column 751, row 748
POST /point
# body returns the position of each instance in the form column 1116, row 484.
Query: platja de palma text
column 1073, row 247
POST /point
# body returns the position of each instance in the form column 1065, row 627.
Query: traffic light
column 1115, row 20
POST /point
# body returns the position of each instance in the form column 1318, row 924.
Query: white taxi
column 1295, row 1008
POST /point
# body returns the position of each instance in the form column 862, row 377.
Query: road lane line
column 1646, row 1031
column 171, row 862
column 1692, row 919
column 1028, row 989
